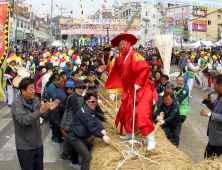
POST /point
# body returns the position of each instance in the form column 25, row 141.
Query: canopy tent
column 201, row 44
column 219, row 43
column 57, row 44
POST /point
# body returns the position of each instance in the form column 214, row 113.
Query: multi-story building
column 105, row 13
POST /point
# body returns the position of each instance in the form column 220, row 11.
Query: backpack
column 62, row 105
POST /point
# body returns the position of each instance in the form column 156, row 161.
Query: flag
column 80, row 5
column 150, row 43
column 164, row 44
column 71, row 12
column 5, row 34
column 105, row 1
column 81, row 12
column 30, row 5
column 104, row 6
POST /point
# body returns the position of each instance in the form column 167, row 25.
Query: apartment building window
column 219, row 16
column 146, row 13
column 209, row 22
column 18, row 22
column 21, row 23
column 25, row 24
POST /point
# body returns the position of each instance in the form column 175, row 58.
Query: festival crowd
column 62, row 85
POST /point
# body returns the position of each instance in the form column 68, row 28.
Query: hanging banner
column 99, row 21
column 164, row 45
column 4, row 42
column 204, row 3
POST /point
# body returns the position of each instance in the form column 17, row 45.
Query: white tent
column 209, row 44
column 201, row 44
column 219, row 43
column 57, row 44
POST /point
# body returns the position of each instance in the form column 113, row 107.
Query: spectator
column 36, row 61
column 87, row 83
column 58, row 112
column 83, row 67
column 38, row 85
column 26, row 111
column 155, row 67
column 155, row 61
column 161, row 87
column 74, row 76
column 92, row 77
column 57, row 68
column 214, row 130
column 38, row 74
column 68, row 69
column 79, row 71
column 171, row 121
column 183, row 61
column 182, row 97
column 64, row 76
column 157, row 78
column 82, row 127
column 85, row 74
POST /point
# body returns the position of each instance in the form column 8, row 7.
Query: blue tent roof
column 202, row 44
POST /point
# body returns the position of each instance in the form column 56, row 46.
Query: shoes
column 190, row 96
column 151, row 141
column 61, row 144
column 9, row 105
column 64, row 156
column 127, row 137
column 76, row 166
column 55, row 139
column 205, row 88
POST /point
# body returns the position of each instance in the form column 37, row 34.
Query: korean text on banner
column 164, row 45
column 4, row 41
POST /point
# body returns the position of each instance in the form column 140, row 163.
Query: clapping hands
column 49, row 105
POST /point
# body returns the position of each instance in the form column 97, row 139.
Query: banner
column 99, row 21
column 4, row 42
column 204, row 3
column 164, row 44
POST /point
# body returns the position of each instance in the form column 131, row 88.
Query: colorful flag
column 105, row 1
column 81, row 12
column 71, row 12
column 80, row 5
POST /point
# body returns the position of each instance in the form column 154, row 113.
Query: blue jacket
column 57, row 115
column 172, row 114
column 68, row 71
column 52, row 91
column 36, row 61
column 85, row 124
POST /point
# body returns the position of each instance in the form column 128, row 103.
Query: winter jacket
column 52, row 91
column 26, row 123
column 183, row 61
column 172, row 114
column 37, row 76
column 160, row 88
column 73, row 104
column 36, row 61
column 38, row 86
column 85, row 124
column 57, row 114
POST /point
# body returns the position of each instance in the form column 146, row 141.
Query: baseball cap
column 171, row 85
column 69, row 84
column 94, row 88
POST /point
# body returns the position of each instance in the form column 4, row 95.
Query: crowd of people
column 66, row 82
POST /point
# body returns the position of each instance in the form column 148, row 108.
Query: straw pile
column 107, row 157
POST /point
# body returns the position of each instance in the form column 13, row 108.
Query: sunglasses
column 92, row 101
column 81, row 88
column 164, row 79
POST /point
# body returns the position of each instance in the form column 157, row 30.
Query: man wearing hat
column 131, row 72
column 200, row 62
column 107, row 53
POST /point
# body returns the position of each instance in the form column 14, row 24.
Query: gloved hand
column 161, row 122
column 113, row 54
column 103, row 132
column 159, row 118
column 106, row 139
column 137, row 87
column 162, row 114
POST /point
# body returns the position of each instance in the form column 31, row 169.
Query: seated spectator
column 182, row 97
column 171, row 121
column 157, row 78
column 68, row 69
column 59, row 111
column 26, row 111
column 64, row 75
column 161, row 87
column 82, row 127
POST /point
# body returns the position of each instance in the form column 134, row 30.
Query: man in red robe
column 131, row 72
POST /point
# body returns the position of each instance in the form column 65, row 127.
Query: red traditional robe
column 127, row 71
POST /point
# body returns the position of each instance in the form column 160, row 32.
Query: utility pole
column 16, row 21
column 51, row 25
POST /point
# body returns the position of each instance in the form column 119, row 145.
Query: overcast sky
column 88, row 6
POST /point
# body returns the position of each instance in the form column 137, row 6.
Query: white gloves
column 114, row 54
column 106, row 139
column 161, row 122
column 159, row 118
column 137, row 87
column 103, row 132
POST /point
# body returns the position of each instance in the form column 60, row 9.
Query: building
column 105, row 13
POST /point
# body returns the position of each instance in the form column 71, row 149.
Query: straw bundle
column 107, row 157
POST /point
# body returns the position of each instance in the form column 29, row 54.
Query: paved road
column 193, row 137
